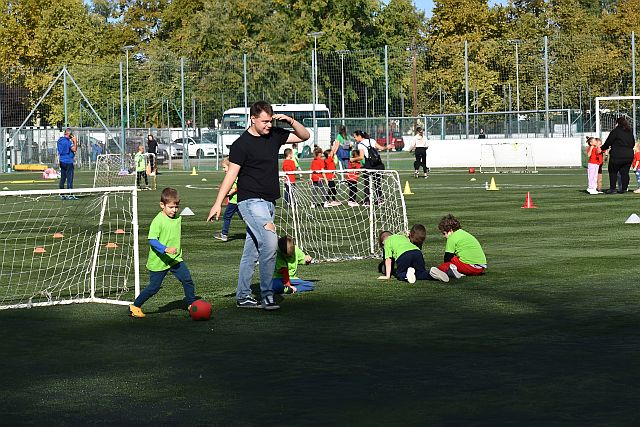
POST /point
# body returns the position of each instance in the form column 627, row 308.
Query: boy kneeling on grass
column 463, row 255
column 409, row 262
column 288, row 257
column 166, row 253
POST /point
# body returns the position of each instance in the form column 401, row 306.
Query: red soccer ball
column 472, row 170
column 200, row 310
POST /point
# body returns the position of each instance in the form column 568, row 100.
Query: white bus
column 236, row 120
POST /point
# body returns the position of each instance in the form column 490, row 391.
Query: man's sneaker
column 454, row 271
column 72, row 198
column 353, row 204
column 63, row 197
column 136, row 311
column 268, row 303
column 247, row 302
column 416, row 174
column 411, row 275
column 438, row 274
column 220, row 236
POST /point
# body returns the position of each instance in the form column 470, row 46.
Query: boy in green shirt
column 232, row 206
column 166, row 252
column 141, row 167
column 288, row 257
column 463, row 254
column 409, row 263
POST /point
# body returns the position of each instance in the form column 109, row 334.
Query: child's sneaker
column 327, row 204
column 438, row 274
column 268, row 303
column 247, row 302
column 336, row 203
column 411, row 275
column 353, row 204
column 220, row 236
column 136, row 311
column 454, row 271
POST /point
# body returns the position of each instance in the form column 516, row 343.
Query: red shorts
column 466, row 269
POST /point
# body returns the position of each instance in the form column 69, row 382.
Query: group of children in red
column 403, row 258
column 323, row 161
column 596, row 157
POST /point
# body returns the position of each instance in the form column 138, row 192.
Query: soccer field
column 548, row 336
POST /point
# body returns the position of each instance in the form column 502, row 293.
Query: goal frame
column 529, row 161
column 92, row 289
column 374, row 212
column 614, row 98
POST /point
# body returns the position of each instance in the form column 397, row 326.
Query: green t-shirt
column 290, row 263
column 139, row 159
column 234, row 199
column 167, row 231
column 295, row 157
column 396, row 245
column 466, row 247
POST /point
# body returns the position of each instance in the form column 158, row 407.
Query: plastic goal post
column 498, row 157
column 609, row 108
column 336, row 230
column 68, row 246
column 117, row 170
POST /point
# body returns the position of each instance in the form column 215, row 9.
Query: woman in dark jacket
column 621, row 142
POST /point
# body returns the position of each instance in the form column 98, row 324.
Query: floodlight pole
column 314, row 82
column 127, row 48
column 516, row 43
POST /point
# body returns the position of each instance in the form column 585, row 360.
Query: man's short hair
column 68, row 131
column 260, row 107
column 287, row 151
column 169, row 195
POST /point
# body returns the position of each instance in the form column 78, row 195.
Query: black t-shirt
column 257, row 157
column 152, row 146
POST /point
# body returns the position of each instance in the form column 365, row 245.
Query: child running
column 141, row 168
column 409, row 263
column 289, row 165
column 288, row 257
column 463, row 254
column 232, row 206
column 352, row 179
column 595, row 156
column 166, row 252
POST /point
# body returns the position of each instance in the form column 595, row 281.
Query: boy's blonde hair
column 225, row 161
column 140, row 146
column 169, row 195
column 383, row 236
column 286, row 246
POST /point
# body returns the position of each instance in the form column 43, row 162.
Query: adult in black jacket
column 621, row 142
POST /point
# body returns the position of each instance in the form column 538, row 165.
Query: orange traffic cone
column 528, row 204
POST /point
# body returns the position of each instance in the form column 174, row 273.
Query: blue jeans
column 180, row 271
column 260, row 245
column 231, row 209
column 301, row 285
column 66, row 174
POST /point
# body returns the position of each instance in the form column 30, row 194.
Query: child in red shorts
column 463, row 255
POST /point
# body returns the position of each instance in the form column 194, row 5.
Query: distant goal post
column 609, row 108
column 500, row 157
column 119, row 170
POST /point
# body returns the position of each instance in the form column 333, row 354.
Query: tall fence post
column 64, row 95
column 546, row 87
column 633, row 77
column 386, row 102
column 3, row 145
column 122, row 142
column 244, row 73
column 185, row 143
column 466, row 87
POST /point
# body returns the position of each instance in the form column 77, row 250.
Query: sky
column 427, row 5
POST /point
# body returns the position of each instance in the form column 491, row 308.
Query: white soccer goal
column 334, row 232
column 117, row 170
column 609, row 108
column 498, row 157
column 68, row 246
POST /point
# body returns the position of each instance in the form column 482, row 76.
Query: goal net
column 498, row 157
column 609, row 108
column 118, row 170
column 335, row 230
column 68, row 246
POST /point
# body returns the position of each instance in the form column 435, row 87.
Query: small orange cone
column 111, row 245
column 39, row 250
column 119, row 231
column 58, row 235
column 528, row 204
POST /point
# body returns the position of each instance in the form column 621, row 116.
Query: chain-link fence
column 507, row 88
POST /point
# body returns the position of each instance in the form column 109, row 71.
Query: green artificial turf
column 548, row 336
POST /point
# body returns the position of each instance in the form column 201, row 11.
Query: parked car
column 198, row 147
column 169, row 149
column 396, row 141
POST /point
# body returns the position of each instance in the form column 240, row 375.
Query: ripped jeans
column 260, row 245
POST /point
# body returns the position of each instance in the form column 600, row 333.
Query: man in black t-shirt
column 253, row 159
